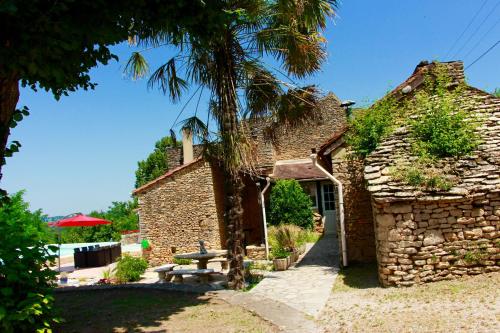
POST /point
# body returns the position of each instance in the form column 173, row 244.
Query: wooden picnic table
column 202, row 258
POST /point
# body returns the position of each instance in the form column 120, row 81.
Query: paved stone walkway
column 307, row 286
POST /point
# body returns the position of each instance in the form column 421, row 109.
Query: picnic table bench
column 224, row 264
column 163, row 270
column 203, row 274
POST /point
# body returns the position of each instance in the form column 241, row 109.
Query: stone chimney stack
column 187, row 146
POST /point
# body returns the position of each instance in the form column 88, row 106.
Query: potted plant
column 146, row 249
column 281, row 259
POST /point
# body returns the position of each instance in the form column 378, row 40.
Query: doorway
column 329, row 207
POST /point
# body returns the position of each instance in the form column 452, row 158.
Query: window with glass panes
column 329, row 196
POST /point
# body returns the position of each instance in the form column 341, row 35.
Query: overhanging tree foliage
column 53, row 44
column 228, row 63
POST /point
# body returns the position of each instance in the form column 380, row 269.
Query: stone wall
column 423, row 241
column 358, row 217
column 178, row 211
column 255, row 252
column 132, row 238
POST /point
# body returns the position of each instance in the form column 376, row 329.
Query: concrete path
column 307, row 286
column 286, row 318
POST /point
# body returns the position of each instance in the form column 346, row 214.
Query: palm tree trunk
column 225, row 86
column 9, row 96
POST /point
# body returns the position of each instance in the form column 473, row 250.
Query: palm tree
column 228, row 63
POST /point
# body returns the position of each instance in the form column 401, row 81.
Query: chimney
column 187, row 145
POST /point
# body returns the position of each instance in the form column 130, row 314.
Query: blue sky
column 80, row 154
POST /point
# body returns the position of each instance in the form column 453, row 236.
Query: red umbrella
column 79, row 220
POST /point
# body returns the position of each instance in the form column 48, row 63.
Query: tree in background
column 227, row 61
column 123, row 216
column 289, row 204
column 25, row 280
column 156, row 164
column 496, row 92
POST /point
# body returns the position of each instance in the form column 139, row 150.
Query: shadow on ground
column 322, row 253
column 125, row 310
column 139, row 310
column 358, row 276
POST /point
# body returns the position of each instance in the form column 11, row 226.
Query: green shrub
column 370, row 126
column 182, row 261
column 443, row 128
column 129, row 269
column 279, row 253
column 289, row 204
column 284, row 236
column 308, row 236
column 26, row 281
column 424, row 175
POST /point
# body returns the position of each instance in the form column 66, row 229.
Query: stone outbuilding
column 429, row 235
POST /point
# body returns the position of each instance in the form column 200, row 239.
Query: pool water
column 68, row 249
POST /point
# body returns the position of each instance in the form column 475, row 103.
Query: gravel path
column 307, row 286
column 470, row 304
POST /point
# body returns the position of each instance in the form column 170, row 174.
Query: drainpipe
column 263, row 204
column 314, row 158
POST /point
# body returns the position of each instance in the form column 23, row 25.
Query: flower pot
column 146, row 253
column 280, row 264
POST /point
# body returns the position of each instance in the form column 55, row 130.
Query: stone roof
column 477, row 174
column 168, row 174
column 296, row 169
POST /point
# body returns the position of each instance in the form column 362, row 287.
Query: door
column 329, row 208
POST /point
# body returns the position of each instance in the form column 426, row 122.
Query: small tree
column 290, row 205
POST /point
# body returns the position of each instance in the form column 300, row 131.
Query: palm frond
column 301, row 54
column 167, row 80
column 137, row 66
column 296, row 108
column 262, row 89
column 196, row 127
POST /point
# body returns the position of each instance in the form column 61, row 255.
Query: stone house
column 429, row 235
column 186, row 204
column 415, row 235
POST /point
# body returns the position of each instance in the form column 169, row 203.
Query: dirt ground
column 152, row 311
column 358, row 304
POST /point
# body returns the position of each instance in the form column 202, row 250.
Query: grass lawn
column 359, row 304
column 144, row 310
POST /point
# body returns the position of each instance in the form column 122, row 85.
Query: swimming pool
column 68, row 249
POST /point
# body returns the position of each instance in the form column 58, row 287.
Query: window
column 310, row 190
column 329, row 196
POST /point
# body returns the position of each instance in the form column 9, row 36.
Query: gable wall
column 297, row 143
column 178, row 212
